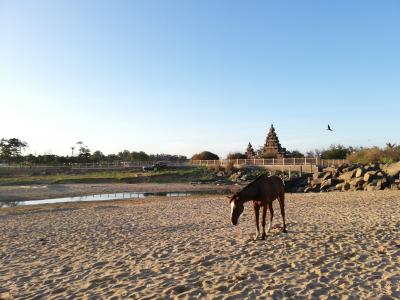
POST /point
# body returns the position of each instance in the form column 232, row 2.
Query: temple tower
column 272, row 147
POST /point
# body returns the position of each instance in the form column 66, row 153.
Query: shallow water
column 99, row 197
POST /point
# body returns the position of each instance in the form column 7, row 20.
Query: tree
column 205, row 155
column 98, row 156
column 236, row 155
column 336, row 152
column 295, row 154
column 10, row 149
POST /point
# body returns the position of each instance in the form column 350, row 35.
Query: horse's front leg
column 264, row 214
column 256, row 214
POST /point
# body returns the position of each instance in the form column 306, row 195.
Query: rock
column 5, row 295
column 220, row 174
column 392, row 169
column 358, row 181
column 316, row 182
column 383, row 183
column 339, row 186
column 360, row 172
column 341, row 167
column 332, row 170
column 371, row 187
column 308, row 189
column 318, row 175
column 347, row 175
column 394, row 187
column 244, row 177
column 346, row 186
column 326, row 184
column 327, row 176
column 369, row 176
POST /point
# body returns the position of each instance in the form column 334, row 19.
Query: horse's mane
column 251, row 183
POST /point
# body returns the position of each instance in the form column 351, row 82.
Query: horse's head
column 236, row 208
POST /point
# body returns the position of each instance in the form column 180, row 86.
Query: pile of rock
column 355, row 177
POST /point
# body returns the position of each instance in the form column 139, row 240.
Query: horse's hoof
column 263, row 237
column 284, row 231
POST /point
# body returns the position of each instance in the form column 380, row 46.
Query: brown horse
column 262, row 191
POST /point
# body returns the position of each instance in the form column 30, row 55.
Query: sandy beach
column 338, row 246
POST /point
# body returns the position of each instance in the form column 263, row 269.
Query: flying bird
column 329, row 128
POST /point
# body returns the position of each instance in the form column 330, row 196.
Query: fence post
column 263, row 161
column 283, row 161
column 273, row 161
column 294, row 161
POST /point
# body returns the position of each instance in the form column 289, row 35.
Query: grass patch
column 161, row 176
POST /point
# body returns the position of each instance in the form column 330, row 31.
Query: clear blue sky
column 184, row 76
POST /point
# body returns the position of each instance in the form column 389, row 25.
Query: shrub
column 336, row 152
column 374, row 154
column 215, row 169
column 205, row 155
column 236, row 155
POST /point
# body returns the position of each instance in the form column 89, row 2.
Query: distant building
column 250, row 151
column 272, row 147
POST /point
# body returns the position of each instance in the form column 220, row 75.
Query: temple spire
column 272, row 147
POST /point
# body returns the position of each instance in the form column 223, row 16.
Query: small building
column 250, row 151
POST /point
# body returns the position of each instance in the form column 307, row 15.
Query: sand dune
column 339, row 245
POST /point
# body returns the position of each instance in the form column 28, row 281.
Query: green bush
column 375, row 154
column 236, row 155
column 205, row 155
column 336, row 152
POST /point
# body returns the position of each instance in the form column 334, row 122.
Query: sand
column 339, row 246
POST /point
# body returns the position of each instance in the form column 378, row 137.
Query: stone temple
column 272, row 147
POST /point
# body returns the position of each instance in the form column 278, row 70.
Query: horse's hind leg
column 256, row 214
column 271, row 216
column 264, row 214
column 282, row 205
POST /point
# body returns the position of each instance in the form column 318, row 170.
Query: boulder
column 332, row 170
column 383, row 182
column 327, row 184
column 347, row 176
column 358, row 181
column 394, row 187
column 339, row 186
column 342, row 167
column 328, row 175
column 346, row 186
column 316, row 182
column 372, row 187
column 392, row 169
column 360, row 172
column 369, row 176
column 318, row 175
column 310, row 189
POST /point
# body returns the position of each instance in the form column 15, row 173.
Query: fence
column 223, row 162
column 271, row 162
column 101, row 165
